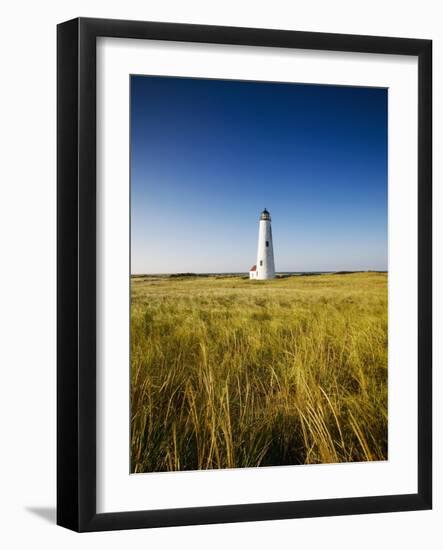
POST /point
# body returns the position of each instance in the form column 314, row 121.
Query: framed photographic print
column 244, row 274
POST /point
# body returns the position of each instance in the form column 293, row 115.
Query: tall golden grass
column 229, row 373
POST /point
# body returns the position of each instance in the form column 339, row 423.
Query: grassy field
column 228, row 373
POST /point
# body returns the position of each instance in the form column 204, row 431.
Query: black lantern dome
column 265, row 215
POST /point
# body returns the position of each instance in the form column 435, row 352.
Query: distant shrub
column 182, row 275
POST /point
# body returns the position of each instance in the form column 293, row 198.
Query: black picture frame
column 76, row 280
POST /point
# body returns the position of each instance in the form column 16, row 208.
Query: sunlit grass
column 227, row 372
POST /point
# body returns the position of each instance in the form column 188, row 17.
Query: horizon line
column 247, row 271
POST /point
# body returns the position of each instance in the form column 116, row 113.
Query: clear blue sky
column 208, row 155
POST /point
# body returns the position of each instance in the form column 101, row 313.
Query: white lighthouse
column 265, row 268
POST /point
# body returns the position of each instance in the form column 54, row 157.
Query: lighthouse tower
column 265, row 268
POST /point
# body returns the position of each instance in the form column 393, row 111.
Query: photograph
column 258, row 274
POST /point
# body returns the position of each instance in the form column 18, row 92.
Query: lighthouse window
column 267, row 243
column 261, row 262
